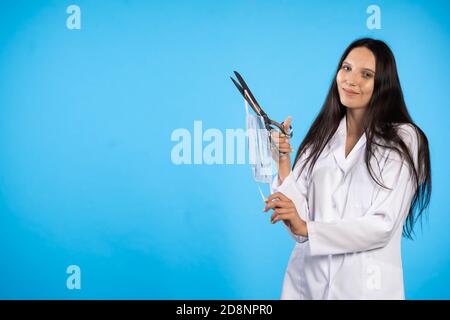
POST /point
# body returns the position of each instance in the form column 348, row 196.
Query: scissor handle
column 289, row 133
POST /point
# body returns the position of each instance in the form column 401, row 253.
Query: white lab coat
column 354, row 225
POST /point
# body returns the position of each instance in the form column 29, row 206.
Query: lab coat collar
column 337, row 146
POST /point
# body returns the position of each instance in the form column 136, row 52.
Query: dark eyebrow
column 367, row 69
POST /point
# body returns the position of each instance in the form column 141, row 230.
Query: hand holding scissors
column 280, row 133
column 248, row 96
column 280, row 142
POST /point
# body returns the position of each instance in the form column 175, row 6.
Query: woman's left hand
column 284, row 209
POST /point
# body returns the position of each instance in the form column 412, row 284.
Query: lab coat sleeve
column 295, row 188
column 375, row 228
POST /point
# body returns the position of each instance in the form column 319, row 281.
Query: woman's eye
column 367, row 75
column 346, row 68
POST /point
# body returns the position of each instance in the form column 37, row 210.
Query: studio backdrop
column 122, row 169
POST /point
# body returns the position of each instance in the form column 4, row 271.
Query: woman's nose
column 351, row 80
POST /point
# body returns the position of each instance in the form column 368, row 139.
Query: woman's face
column 355, row 79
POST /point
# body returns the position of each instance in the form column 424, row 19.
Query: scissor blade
column 245, row 87
column 246, row 95
column 238, row 86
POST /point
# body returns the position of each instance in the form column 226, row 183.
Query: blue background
column 86, row 117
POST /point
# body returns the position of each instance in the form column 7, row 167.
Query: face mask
column 260, row 156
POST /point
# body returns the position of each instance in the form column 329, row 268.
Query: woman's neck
column 355, row 122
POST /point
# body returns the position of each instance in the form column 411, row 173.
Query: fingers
column 279, row 196
column 285, row 147
column 278, row 200
column 281, row 142
column 284, row 208
column 278, row 137
column 281, row 210
column 278, row 204
column 287, row 123
column 286, row 213
column 280, row 217
column 274, row 134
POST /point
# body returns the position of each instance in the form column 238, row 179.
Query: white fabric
column 354, row 225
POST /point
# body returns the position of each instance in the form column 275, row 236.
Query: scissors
column 248, row 96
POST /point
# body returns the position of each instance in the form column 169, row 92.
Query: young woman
column 361, row 178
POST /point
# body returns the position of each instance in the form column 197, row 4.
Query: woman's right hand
column 281, row 153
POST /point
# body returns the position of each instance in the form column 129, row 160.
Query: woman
column 361, row 176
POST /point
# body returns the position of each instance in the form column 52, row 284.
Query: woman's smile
column 350, row 92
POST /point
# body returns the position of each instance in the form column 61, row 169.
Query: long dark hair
column 385, row 110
